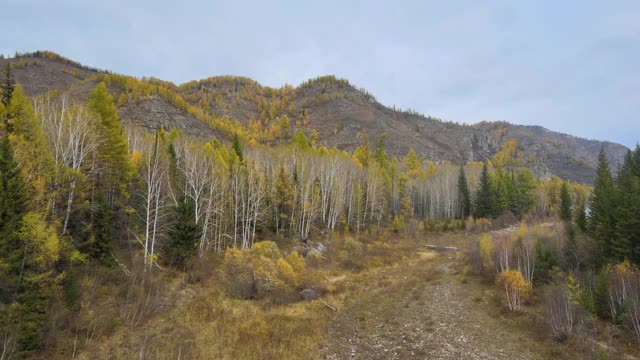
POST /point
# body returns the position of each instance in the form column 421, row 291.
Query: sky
column 570, row 66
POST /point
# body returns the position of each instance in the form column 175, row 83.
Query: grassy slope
column 407, row 302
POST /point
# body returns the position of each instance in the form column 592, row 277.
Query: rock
column 309, row 294
column 319, row 247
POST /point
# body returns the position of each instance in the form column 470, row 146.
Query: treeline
column 586, row 267
column 77, row 186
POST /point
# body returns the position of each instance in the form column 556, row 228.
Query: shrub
column 514, row 286
column 351, row 253
column 237, row 273
column 561, row 314
column 262, row 273
column 486, row 253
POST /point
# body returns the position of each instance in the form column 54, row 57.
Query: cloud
column 568, row 66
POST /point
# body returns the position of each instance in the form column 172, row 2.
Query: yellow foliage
column 43, row 239
column 486, row 252
column 514, row 286
column 297, row 262
column 286, row 273
column 268, row 249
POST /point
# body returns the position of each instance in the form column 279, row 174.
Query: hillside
column 337, row 110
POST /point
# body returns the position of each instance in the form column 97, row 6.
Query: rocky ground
column 425, row 308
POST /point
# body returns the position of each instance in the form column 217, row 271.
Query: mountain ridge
column 336, row 110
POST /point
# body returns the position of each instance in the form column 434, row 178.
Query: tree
column 112, row 150
column 237, row 147
column 184, row 233
column 8, row 85
column 13, row 206
column 565, row 202
column 515, row 287
column 483, row 204
column 464, row 197
column 627, row 242
column 602, row 222
column 115, row 172
column 283, row 198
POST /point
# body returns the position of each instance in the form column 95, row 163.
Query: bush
column 351, row 253
column 263, row 273
column 486, row 253
column 561, row 315
column 514, row 286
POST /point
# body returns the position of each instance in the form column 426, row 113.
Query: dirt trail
column 424, row 308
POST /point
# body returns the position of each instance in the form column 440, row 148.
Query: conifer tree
column 283, row 198
column 464, row 197
column 483, row 204
column 115, row 172
column 13, row 205
column 602, row 224
column 565, row 202
column 113, row 152
column 237, row 148
column 628, row 211
column 183, row 233
column 8, row 85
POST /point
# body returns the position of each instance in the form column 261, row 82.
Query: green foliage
column 13, row 206
column 464, row 196
column 237, row 148
column 484, row 205
column 183, row 234
column 7, row 86
column 602, row 221
column 565, row 202
column 546, row 263
column 299, row 141
column 113, row 151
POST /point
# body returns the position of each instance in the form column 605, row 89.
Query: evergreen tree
column 237, row 148
column 484, row 205
column 13, row 206
column 602, row 224
column 628, row 211
column 8, row 85
column 283, row 198
column 183, row 234
column 581, row 218
column 565, row 202
column 464, row 197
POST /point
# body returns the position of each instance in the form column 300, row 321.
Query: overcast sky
column 571, row 66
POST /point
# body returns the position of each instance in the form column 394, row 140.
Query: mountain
column 338, row 111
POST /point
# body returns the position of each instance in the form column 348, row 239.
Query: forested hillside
column 111, row 214
column 330, row 111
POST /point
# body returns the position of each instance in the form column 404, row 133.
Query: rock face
column 155, row 112
column 338, row 111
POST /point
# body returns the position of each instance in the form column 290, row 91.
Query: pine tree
column 483, row 204
column 464, row 197
column 237, row 148
column 602, row 224
column 8, row 85
column 183, row 234
column 283, row 198
column 13, row 206
column 628, row 211
column 565, row 202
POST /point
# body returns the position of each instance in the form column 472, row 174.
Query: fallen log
column 442, row 248
column 327, row 305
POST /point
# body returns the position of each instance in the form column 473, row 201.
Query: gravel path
column 424, row 309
